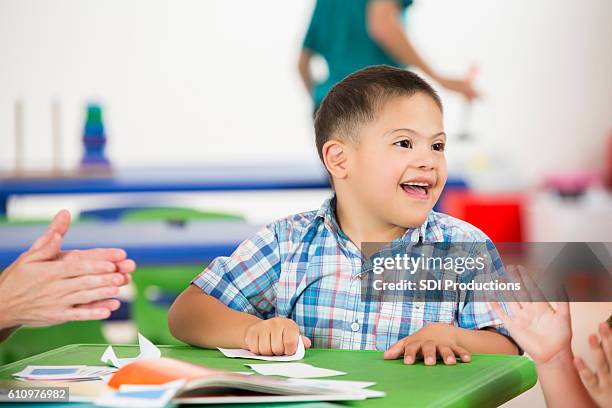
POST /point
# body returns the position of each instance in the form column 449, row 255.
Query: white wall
column 215, row 80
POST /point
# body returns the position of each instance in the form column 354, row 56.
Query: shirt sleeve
column 312, row 34
column 246, row 280
column 476, row 312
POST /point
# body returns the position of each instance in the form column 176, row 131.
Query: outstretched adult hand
column 46, row 285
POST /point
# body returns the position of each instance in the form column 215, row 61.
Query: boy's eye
column 406, row 144
column 438, row 147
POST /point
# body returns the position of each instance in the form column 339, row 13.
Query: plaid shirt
column 305, row 268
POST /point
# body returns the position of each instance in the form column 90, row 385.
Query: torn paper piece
column 241, row 353
column 294, row 370
column 147, row 351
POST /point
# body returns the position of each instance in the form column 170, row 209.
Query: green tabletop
column 489, row 380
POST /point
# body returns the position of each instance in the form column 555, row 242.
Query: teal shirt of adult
column 338, row 32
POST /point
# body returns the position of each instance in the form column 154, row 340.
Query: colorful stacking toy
column 94, row 139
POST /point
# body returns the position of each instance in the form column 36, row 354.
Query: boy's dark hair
column 357, row 99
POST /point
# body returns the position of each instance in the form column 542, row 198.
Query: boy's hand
column 599, row 383
column 433, row 340
column 543, row 332
column 274, row 337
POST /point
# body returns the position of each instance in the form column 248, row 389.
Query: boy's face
column 398, row 166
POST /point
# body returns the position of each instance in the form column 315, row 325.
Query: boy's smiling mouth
column 418, row 188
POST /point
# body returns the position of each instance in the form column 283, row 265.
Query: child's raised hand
column 432, row 341
column 539, row 329
column 598, row 383
column 274, row 337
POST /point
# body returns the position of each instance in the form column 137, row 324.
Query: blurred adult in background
column 48, row 286
column 353, row 34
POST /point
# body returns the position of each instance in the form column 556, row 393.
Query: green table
column 489, row 380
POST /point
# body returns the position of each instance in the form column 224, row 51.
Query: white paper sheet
column 63, row 373
column 147, row 351
column 241, row 353
column 333, row 384
column 294, row 370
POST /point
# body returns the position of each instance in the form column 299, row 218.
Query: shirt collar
column 327, row 213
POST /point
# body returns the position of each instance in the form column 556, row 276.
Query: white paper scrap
column 147, row 351
column 294, row 370
column 333, row 384
column 241, row 353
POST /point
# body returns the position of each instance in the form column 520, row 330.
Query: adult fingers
column 78, row 313
column 99, row 254
column 127, row 278
column 42, row 240
column 61, row 222
column 87, row 282
column 91, row 295
column 110, row 304
column 462, row 353
column 71, row 269
column 410, row 352
column 395, row 351
column 589, row 379
column 126, row 266
column 48, row 251
column 429, row 352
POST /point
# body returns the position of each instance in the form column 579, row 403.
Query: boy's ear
column 335, row 157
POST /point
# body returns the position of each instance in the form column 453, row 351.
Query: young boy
column 380, row 134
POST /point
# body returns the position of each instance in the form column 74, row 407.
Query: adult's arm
column 304, row 69
column 385, row 27
column 48, row 286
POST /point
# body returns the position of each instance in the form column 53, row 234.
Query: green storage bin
column 156, row 288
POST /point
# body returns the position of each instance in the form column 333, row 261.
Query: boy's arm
column 448, row 342
column 202, row 320
column 485, row 341
column 232, row 303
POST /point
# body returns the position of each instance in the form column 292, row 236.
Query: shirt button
column 355, row 326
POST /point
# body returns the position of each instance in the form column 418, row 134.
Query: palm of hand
column 541, row 331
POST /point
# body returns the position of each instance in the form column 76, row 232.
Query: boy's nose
column 425, row 160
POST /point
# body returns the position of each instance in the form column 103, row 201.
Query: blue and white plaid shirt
column 305, row 268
